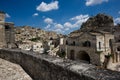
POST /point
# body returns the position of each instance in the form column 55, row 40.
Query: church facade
column 100, row 46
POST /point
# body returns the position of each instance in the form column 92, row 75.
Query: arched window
column 51, row 38
column 87, row 44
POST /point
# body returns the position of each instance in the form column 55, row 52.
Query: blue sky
column 62, row 16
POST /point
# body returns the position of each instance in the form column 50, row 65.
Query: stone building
column 98, row 45
column 38, row 47
column 2, row 30
column 89, row 46
column 31, row 46
column 7, row 38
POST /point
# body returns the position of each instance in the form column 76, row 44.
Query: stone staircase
column 54, row 51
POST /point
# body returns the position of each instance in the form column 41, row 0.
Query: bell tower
column 2, row 30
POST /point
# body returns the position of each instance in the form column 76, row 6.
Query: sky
column 61, row 16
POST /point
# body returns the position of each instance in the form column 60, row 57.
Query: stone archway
column 82, row 55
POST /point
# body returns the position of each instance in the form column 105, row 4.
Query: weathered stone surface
column 45, row 67
column 98, row 22
column 11, row 71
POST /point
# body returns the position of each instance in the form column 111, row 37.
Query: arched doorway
column 72, row 54
column 82, row 55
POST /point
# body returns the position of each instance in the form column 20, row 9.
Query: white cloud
column 68, row 25
column 48, row 20
column 94, row 2
column 48, row 26
column 117, row 20
column 35, row 14
column 58, row 30
column 59, row 26
column 79, row 20
column 44, row 7
column 118, row 12
column 66, row 29
column 7, row 15
column 80, row 17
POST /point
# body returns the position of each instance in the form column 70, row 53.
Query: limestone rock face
column 99, row 22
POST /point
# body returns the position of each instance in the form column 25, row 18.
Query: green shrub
column 62, row 54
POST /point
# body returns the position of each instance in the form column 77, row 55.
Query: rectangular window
column 99, row 45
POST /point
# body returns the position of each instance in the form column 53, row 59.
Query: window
column 119, row 38
column 99, row 45
column 7, row 27
column 51, row 38
column 73, row 43
column 66, row 42
column 118, row 48
column 110, row 43
column 87, row 44
column 37, row 46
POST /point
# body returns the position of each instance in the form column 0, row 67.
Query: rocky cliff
column 98, row 22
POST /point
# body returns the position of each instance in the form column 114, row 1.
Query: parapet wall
column 45, row 67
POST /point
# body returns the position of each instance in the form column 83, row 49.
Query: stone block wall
column 45, row 67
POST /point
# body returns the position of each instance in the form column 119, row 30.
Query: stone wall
column 2, row 30
column 45, row 67
column 94, row 57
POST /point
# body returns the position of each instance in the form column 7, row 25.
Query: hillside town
column 97, row 42
column 33, row 39
column 60, row 40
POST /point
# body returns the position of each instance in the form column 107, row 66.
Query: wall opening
column 87, row 44
column 82, row 55
column 99, row 45
column 66, row 42
column 73, row 43
column 7, row 27
column 72, row 54
column 118, row 48
column 110, row 43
